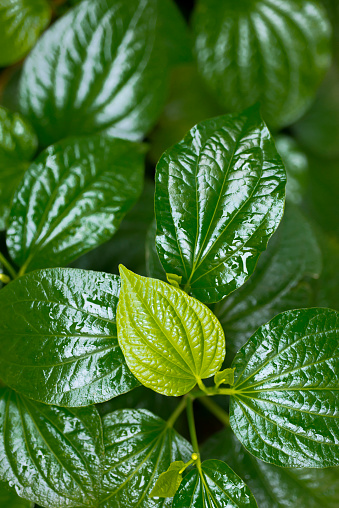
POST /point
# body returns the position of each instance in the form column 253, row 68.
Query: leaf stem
column 177, row 412
column 216, row 410
column 8, row 266
column 191, row 425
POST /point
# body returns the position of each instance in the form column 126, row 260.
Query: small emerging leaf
column 225, row 377
column 174, row 280
column 168, row 482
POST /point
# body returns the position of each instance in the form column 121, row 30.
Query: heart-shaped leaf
column 58, row 338
column 213, row 484
column 73, row 198
column 285, row 406
column 51, row 455
column 265, row 50
column 170, row 340
column 219, row 197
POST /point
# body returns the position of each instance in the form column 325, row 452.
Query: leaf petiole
column 216, row 410
column 8, row 266
column 177, row 412
column 191, row 426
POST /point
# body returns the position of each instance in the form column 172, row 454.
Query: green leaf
column 296, row 165
column 219, row 197
column 213, row 484
column 154, row 268
column 73, row 198
column 174, row 280
column 111, row 62
column 285, row 406
column 170, row 340
column 225, row 377
column 326, row 287
column 58, row 338
column 139, row 447
column 21, row 22
column 9, row 499
column 280, row 281
column 18, row 144
column 51, row 455
column 273, row 486
column 269, row 51
column 168, row 482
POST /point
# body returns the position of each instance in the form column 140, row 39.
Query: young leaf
column 18, row 144
column 9, row 499
column 73, row 198
column 213, row 484
column 111, row 62
column 21, row 22
column 269, row 51
column 285, row 406
column 225, row 376
column 168, row 482
column 273, row 486
column 139, row 447
column 51, row 455
column 58, row 338
column 170, row 340
column 219, row 197
column 279, row 283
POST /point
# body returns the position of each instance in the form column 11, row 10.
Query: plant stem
column 177, row 412
column 216, row 410
column 8, row 266
column 191, row 425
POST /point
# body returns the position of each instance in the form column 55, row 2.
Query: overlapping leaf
column 170, row 340
column 58, row 338
column 72, row 199
column 296, row 165
column 10, row 499
column 285, row 406
column 272, row 51
column 219, row 197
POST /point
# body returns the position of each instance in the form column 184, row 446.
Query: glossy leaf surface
column 170, row 340
column 73, row 198
column 139, row 447
column 285, row 406
column 214, row 485
column 49, row 454
column 271, row 51
column 296, row 165
column 21, row 22
column 105, row 68
column 219, row 197
column 59, row 340
column 18, row 144
column 280, row 282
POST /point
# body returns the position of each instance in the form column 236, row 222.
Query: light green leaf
column 18, row 144
column 9, row 499
column 51, row 455
column 21, row 22
column 296, row 165
column 73, row 198
column 213, row 484
column 285, row 406
column 225, row 377
column 58, row 338
column 168, row 482
column 269, row 51
column 219, row 197
column 280, row 282
column 174, row 280
column 139, row 447
column 170, row 340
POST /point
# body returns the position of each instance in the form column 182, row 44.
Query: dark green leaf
column 73, row 198
column 18, row 144
column 272, row 51
column 285, row 406
column 214, row 485
column 168, row 482
column 170, row 340
column 219, row 197
column 272, row 486
column 279, row 282
column 296, row 166
column 9, row 499
column 153, row 266
column 21, row 22
column 49, row 454
column 58, row 338
column 326, row 287
column 139, row 447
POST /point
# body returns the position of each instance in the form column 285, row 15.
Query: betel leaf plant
column 139, row 317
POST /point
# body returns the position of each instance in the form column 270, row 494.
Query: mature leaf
column 11, row 499
column 214, row 484
column 170, row 340
column 105, row 67
column 21, row 22
column 153, row 266
column 219, row 197
column 272, row 486
column 58, row 338
column 279, row 283
column 272, row 51
column 18, row 144
column 49, row 454
column 296, row 166
column 73, row 198
column 285, row 406
column 168, row 482
column 139, row 447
